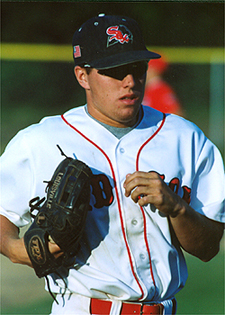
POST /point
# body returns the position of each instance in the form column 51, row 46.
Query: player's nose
column 128, row 80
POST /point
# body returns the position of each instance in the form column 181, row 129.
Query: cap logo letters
column 118, row 34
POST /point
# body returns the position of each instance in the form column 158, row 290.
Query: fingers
column 140, row 184
column 149, row 188
column 55, row 249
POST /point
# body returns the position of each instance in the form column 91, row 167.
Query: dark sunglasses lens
column 136, row 69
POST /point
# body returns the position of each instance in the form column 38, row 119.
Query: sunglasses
column 137, row 69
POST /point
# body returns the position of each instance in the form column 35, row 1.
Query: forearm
column 197, row 234
column 12, row 246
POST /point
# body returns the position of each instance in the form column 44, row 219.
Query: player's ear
column 81, row 75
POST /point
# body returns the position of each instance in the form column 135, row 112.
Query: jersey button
column 142, row 256
column 122, row 150
column 134, row 222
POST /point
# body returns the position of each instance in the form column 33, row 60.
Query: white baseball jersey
column 127, row 252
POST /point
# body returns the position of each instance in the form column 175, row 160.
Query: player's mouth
column 129, row 99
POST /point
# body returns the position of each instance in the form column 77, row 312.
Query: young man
column 158, row 183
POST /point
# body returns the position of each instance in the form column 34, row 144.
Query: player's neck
column 118, row 132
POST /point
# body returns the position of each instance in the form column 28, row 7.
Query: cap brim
column 123, row 59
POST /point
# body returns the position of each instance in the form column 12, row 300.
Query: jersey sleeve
column 16, row 180
column 208, row 187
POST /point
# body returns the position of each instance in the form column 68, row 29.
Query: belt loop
column 174, row 310
column 116, row 307
column 161, row 308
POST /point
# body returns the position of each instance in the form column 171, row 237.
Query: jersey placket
column 133, row 222
column 133, row 225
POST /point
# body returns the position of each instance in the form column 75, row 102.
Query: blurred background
column 37, row 80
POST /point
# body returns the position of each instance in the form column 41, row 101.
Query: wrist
column 179, row 210
column 17, row 252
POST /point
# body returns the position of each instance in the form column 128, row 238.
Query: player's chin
column 131, row 110
column 128, row 118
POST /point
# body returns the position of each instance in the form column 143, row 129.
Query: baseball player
column 157, row 187
column 158, row 93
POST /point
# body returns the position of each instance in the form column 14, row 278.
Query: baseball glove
column 61, row 219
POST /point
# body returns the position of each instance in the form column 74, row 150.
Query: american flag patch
column 76, row 51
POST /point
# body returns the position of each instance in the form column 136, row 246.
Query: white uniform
column 127, row 252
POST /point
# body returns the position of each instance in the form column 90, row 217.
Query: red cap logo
column 118, row 34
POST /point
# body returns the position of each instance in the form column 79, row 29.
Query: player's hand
column 148, row 188
column 24, row 258
column 55, row 249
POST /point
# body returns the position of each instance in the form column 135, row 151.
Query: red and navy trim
column 118, row 199
column 142, row 210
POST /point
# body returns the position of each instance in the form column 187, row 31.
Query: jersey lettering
column 174, row 185
column 187, row 194
column 102, row 191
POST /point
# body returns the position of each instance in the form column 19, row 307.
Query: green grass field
column 38, row 308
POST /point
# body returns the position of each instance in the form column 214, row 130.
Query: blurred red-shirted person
column 158, row 93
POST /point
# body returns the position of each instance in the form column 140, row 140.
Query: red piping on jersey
column 117, row 197
column 142, row 210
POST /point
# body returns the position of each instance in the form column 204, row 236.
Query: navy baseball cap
column 108, row 41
